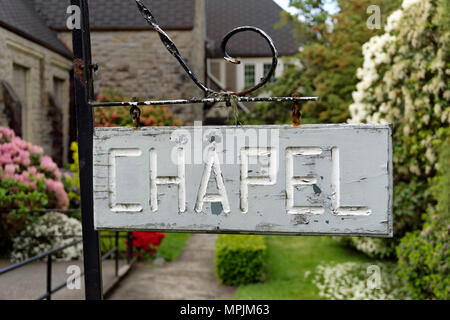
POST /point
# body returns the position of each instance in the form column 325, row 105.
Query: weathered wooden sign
column 315, row 179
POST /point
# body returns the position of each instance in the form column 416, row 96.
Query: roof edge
column 106, row 29
column 36, row 40
column 280, row 55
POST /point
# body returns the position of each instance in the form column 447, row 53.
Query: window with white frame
column 249, row 75
column 252, row 70
column 267, row 67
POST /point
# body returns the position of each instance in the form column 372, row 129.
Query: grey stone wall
column 137, row 63
column 42, row 66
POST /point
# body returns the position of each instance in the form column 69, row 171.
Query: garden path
column 190, row 277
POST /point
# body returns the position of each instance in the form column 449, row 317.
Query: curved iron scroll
column 171, row 47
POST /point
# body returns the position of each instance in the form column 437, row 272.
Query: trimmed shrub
column 240, row 259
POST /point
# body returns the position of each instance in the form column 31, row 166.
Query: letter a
column 212, row 162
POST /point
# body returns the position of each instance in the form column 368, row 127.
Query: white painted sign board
column 314, row 179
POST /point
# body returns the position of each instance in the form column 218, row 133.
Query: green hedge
column 424, row 256
column 240, row 259
column 424, row 262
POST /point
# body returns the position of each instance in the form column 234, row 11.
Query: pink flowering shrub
column 26, row 163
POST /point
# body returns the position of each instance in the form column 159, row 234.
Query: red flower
column 146, row 242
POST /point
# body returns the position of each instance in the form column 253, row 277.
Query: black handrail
column 109, row 253
column 48, row 294
column 35, row 258
column 48, row 255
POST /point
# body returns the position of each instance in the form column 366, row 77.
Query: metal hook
column 135, row 113
column 171, row 47
column 296, row 114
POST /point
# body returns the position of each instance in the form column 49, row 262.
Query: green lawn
column 288, row 259
column 172, row 245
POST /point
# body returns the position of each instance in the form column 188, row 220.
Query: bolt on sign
column 313, row 179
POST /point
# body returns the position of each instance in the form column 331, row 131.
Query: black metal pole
column 85, row 131
column 117, row 254
column 49, row 277
column 130, row 247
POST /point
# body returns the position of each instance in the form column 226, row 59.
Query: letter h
column 179, row 180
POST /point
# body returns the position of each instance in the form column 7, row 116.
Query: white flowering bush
column 404, row 77
column 372, row 247
column 405, row 81
column 358, row 281
column 50, row 231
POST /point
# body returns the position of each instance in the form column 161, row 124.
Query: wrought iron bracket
column 212, row 95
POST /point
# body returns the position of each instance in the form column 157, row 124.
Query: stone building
column 34, row 79
column 130, row 54
column 35, row 57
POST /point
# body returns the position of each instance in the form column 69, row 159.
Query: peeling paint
column 316, row 189
column 216, row 208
